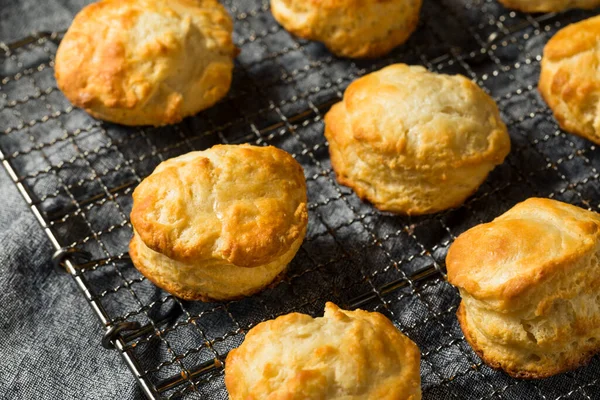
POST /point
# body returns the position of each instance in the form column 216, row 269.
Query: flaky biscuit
column 146, row 62
column 414, row 142
column 350, row 28
column 534, row 6
column 347, row 355
column 570, row 79
column 220, row 223
column 529, row 285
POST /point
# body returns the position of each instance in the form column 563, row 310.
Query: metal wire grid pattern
column 78, row 174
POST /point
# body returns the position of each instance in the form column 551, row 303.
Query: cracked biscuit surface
column 146, row 62
column 221, row 223
column 350, row 28
column 529, row 287
column 414, row 142
column 570, row 79
column 344, row 355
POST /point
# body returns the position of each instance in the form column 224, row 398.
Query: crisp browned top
column 503, row 259
column 140, row 62
column 349, row 355
column 420, row 119
column 243, row 204
column 570, row 78
column 350, row 28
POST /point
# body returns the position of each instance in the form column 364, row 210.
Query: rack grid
column 77, row 175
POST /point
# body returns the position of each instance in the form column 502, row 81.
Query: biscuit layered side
column 535, row 6
column 529, row 286
column 350, row 28
column 146, row 62
column 570, row 80
column 414, row 142
column 221, row 223
column 207, row 280
column 347, row 355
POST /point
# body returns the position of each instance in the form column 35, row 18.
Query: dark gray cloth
column 49, row 336
column 20, row 18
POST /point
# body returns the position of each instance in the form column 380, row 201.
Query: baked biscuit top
column 243, row 204
column 507, row 257
column 163, row 59
column 346, row 355
column 574, row 39
column 570, row 79
column 421, row 119
column 350, row 28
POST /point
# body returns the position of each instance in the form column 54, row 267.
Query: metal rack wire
column 77, row 175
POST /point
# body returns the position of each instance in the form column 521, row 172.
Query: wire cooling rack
column 77, row 175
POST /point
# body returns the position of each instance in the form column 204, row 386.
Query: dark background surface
column 49, row 336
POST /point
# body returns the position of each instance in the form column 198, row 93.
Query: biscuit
column 414, row 142
column 529, row 285
column 570, row 80
column 350, row 28
column 347, row 355
column 146, row 62
column 534, row 6
column 221, row 223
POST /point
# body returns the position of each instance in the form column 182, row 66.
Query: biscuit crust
column 202, row 218
column 350, row 28
column 570, row 80
column 414, row 142
column 146, row 62
column 528, row 282
column 346, row 355
column 535, row 6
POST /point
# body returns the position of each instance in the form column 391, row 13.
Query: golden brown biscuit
column 570, row 79
column 146, row 62
column 350, row 28
column 529, row 285
column 221, row 223
column 534, row 6
column 414, row 142
column 349, row 355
